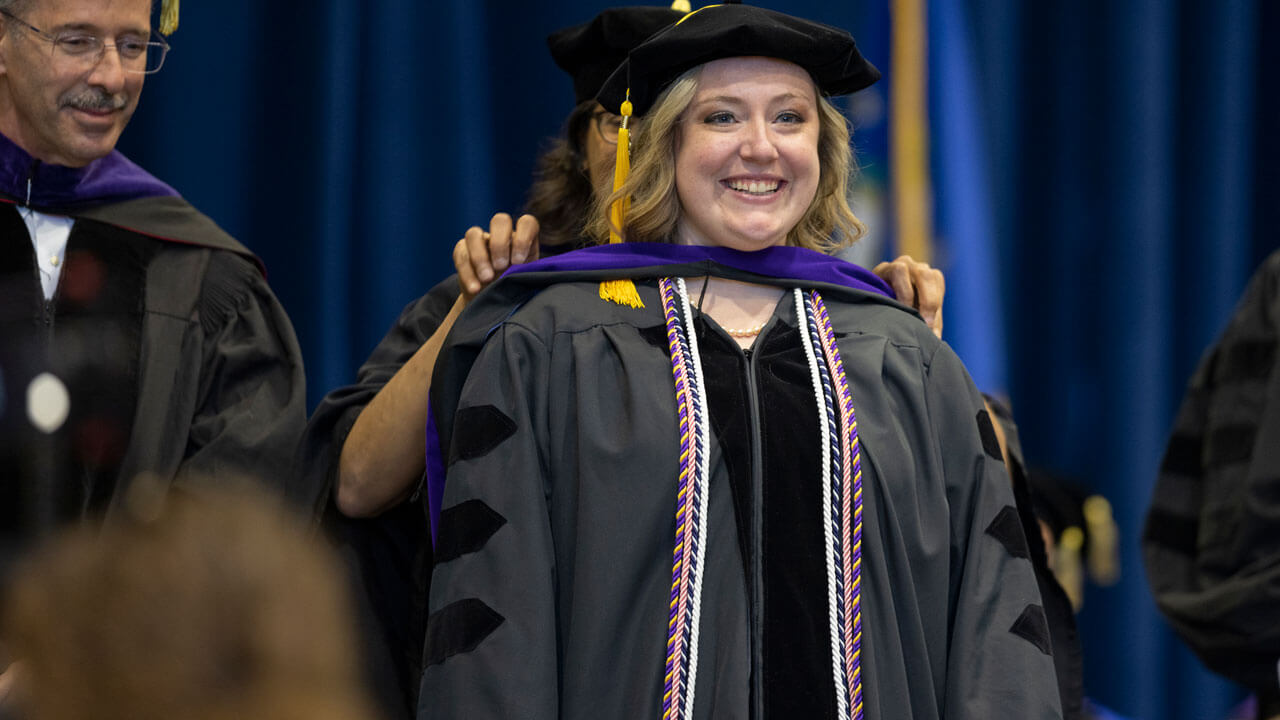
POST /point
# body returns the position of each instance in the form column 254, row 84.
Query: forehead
column 112, row 15
column 754, row 75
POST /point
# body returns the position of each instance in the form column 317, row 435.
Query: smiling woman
column 747, row 154
column 680, row 129
column 641, row 519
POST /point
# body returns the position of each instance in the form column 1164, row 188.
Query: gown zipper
column 756, row 581
column 757, row 533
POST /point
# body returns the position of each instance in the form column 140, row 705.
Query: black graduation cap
column 721, row 31
column 589, row 52
column 1059, row 500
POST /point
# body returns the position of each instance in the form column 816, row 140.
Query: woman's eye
column 719, row 118
column 790, row 117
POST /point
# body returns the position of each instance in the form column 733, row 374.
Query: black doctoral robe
column 389, row 556
column 1212, row 537
column 557, row 418
column 178, row 360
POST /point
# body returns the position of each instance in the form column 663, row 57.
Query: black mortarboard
column 589, row 52
column 722, row 31
column 1064, row 504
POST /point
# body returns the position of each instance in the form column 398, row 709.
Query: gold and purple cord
column 842, row 469
column 846, row 507
column 682, row 625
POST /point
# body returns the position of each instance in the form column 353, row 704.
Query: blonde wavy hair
column 827, row 225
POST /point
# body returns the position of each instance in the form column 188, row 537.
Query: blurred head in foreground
column 204, row 606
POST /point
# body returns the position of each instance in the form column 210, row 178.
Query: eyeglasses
column 137, row 54
column 607, row 125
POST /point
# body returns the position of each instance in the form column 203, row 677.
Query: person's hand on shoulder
column 917, row 285
column 482, row 255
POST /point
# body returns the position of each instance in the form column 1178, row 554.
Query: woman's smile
column 747, row 153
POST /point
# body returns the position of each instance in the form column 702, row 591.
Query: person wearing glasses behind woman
column 364, row 446
column 712, row 471
column 136, row 336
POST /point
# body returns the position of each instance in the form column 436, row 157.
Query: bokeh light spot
column 47, row 402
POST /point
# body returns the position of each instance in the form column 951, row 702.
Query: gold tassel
column 1104, row 550
column 1066, row 565
column 681, row 6
column 168, row 17
column 623, row 290
column 621, row 169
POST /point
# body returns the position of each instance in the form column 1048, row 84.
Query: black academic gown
column 549, row 598
column 180, row 363
column 1068, row 658
column 389, row 557
column 1212, row 536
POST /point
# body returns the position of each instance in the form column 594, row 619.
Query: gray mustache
column 93, row 99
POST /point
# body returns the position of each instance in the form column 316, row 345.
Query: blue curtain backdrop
column 964, row 246
column 1118, row 155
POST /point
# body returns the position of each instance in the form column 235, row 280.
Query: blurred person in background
column 1212, row 536
column 208, row 605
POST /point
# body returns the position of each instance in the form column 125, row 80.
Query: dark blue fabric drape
column 1132, row 168
column 1130, row 157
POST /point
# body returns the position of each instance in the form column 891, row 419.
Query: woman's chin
column 751, row 242
column 745, row 241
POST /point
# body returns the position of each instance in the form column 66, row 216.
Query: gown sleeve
column 251, row 403
column 491, row 648
column 327, row 430
column 388, row 556
column 999, row 660
column 1212, row 536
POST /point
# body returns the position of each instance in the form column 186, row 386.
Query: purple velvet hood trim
column 109, row 179
column 789, row 263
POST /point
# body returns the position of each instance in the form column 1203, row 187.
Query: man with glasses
column 137, row 338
